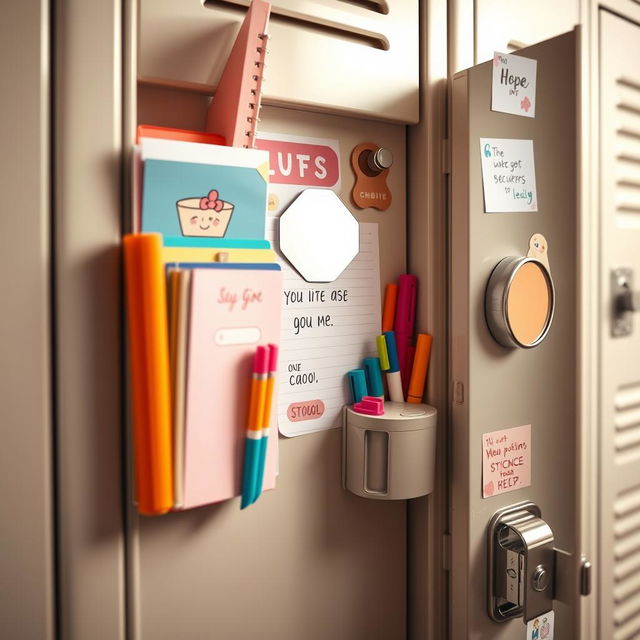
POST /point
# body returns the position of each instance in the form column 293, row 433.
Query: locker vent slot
column 626, row 568
column 627, row 161
column 317, row 23
column 626, row 422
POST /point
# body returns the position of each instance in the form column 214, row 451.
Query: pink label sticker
column 299, row 163
column 506, row 460
column 309, row 410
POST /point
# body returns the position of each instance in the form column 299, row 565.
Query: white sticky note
column 506, row 460
column 514, row 85
column 508, row 175
column 541, row 628
column 327, row 330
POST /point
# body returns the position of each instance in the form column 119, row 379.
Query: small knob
column 380, row 160
column 540, row 578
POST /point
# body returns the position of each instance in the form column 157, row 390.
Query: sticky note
column 513, row 88
column 508, row 175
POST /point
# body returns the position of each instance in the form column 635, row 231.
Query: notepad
column 231, row 311
column 327, row 330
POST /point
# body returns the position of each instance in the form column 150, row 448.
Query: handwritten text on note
column 327, row 329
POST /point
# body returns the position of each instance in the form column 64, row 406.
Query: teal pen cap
column 373, row 375
column 357, row 384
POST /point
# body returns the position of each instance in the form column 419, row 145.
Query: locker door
column 495, row 387
column 619, row 446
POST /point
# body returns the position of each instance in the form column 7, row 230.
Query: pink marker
column 404, row 323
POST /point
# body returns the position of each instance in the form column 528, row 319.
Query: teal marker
column 374, row 377
column 357, row 384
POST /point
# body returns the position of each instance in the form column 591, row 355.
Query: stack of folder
column 198, row 305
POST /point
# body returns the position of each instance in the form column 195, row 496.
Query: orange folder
column 170, row 133
column 149, row 362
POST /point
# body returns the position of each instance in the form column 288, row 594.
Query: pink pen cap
column 261, row 360
column 273, row 358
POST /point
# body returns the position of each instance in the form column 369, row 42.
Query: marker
column 357, row 384
column 272, row 350
column 374, row 377
column 254, row 421
column 389, row 309
column 420, row 368
column 405, row 320
column 394, row 378
column 381, row 343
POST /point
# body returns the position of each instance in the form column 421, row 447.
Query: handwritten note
column 514, row 85
column 508, row 175
column 327, row 329
column 506, row 460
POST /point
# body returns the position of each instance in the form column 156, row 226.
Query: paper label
column 508, row 175
column 541, row 628
column 327, row 329
column 506, row 460
column 514, row 85
column 297, row 162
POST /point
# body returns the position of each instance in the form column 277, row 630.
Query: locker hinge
column 585, row 576
column 446, row 156
column 446, row 552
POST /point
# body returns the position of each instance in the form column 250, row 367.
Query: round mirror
column 519, row 302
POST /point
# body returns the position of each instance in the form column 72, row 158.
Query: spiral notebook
column 234, row 110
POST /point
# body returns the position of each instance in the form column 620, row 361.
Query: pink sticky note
column 506, row 460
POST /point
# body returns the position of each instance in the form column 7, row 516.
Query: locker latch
column 625, row 300
column 521, row 563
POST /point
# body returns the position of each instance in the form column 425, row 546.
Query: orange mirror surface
column 529, row 303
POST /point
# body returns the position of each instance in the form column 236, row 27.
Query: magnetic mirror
column 519, row 302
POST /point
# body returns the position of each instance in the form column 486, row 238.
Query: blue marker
column 394, row 379
column 357, row 384
column 374, row 377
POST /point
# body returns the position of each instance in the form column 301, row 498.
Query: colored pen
column 420, row 368
column 266, row 418
column 394, row 377
column 254, row 421
column 389, row 309
column 374, row 377
column 405, row 320
column 357, row 384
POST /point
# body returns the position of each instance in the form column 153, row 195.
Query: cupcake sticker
column 205, row 217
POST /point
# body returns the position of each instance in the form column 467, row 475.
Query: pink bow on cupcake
column 211, row 201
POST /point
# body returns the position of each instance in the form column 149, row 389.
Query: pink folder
column 232, row 311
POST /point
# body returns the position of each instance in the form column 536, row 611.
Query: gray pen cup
column 392, row 456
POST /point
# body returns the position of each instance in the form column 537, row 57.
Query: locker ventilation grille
column 627, row 162
column 626, row 569
column 626, row 420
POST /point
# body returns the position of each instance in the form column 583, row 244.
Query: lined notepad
column 327, row 329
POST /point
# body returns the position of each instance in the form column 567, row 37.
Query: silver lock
column 521, row 563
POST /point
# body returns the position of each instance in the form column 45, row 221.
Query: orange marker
column 389, row 312
column 149, row 361
column 420, row 368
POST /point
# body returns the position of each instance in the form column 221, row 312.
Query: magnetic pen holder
column 392, row 456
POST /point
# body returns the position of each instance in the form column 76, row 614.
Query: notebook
column 234, row 110
column 231, row 312
column 203, row 191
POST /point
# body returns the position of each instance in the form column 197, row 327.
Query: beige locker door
column 494, row 387
column 619, row 561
